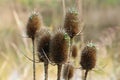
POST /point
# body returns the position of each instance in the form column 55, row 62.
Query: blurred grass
column 99, row 16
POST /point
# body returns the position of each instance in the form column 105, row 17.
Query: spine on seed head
column 71, row 23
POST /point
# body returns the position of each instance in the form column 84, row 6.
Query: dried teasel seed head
column 43, row 43
column 88, row 57
column 59, row 47
column 68, row 71
column 71, row 23
column 74, row 51
column 42, row 31
column 33, row 25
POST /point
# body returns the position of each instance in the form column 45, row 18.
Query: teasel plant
column 33, row 26
column 88, row 58
column 43, row 49
column 59, row 50
column 68, row 71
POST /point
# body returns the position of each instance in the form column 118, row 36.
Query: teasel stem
column 67, row 73
column 59, row 66
column 64, row 10
column 79, row 7
column 46, row 70
column 71, row 41
column 34, row 76
column 86, row 72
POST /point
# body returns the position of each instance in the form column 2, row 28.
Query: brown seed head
column 59, row 47
column 88, row 57
column 68, row 71
column 33, row 25
column 71, row 23
column 44, row 44
column 74, row 51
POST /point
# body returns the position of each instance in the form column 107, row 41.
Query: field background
column 101, row 19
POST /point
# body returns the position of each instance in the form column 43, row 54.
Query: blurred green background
column 101, row 19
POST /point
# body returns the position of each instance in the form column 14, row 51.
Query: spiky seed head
column 33, row 25
column 59, row 47
column 68, row 71
column 88, row 57
column 42, row 31
column 43, row 44
column 74, row 51
column 71, row 23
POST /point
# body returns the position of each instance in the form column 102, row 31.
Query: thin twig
column 30, row 59
column 36, row 61
column 48, row 58
column 80, row 32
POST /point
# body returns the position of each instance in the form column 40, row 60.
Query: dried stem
column 48, row 60
column 86, row 74
column 36, row 61
column 34, row 76
column 67, row 73
column 79, row 7
column 59, row 71
column 46, row 70
column 64, row 11
column 71, row 41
